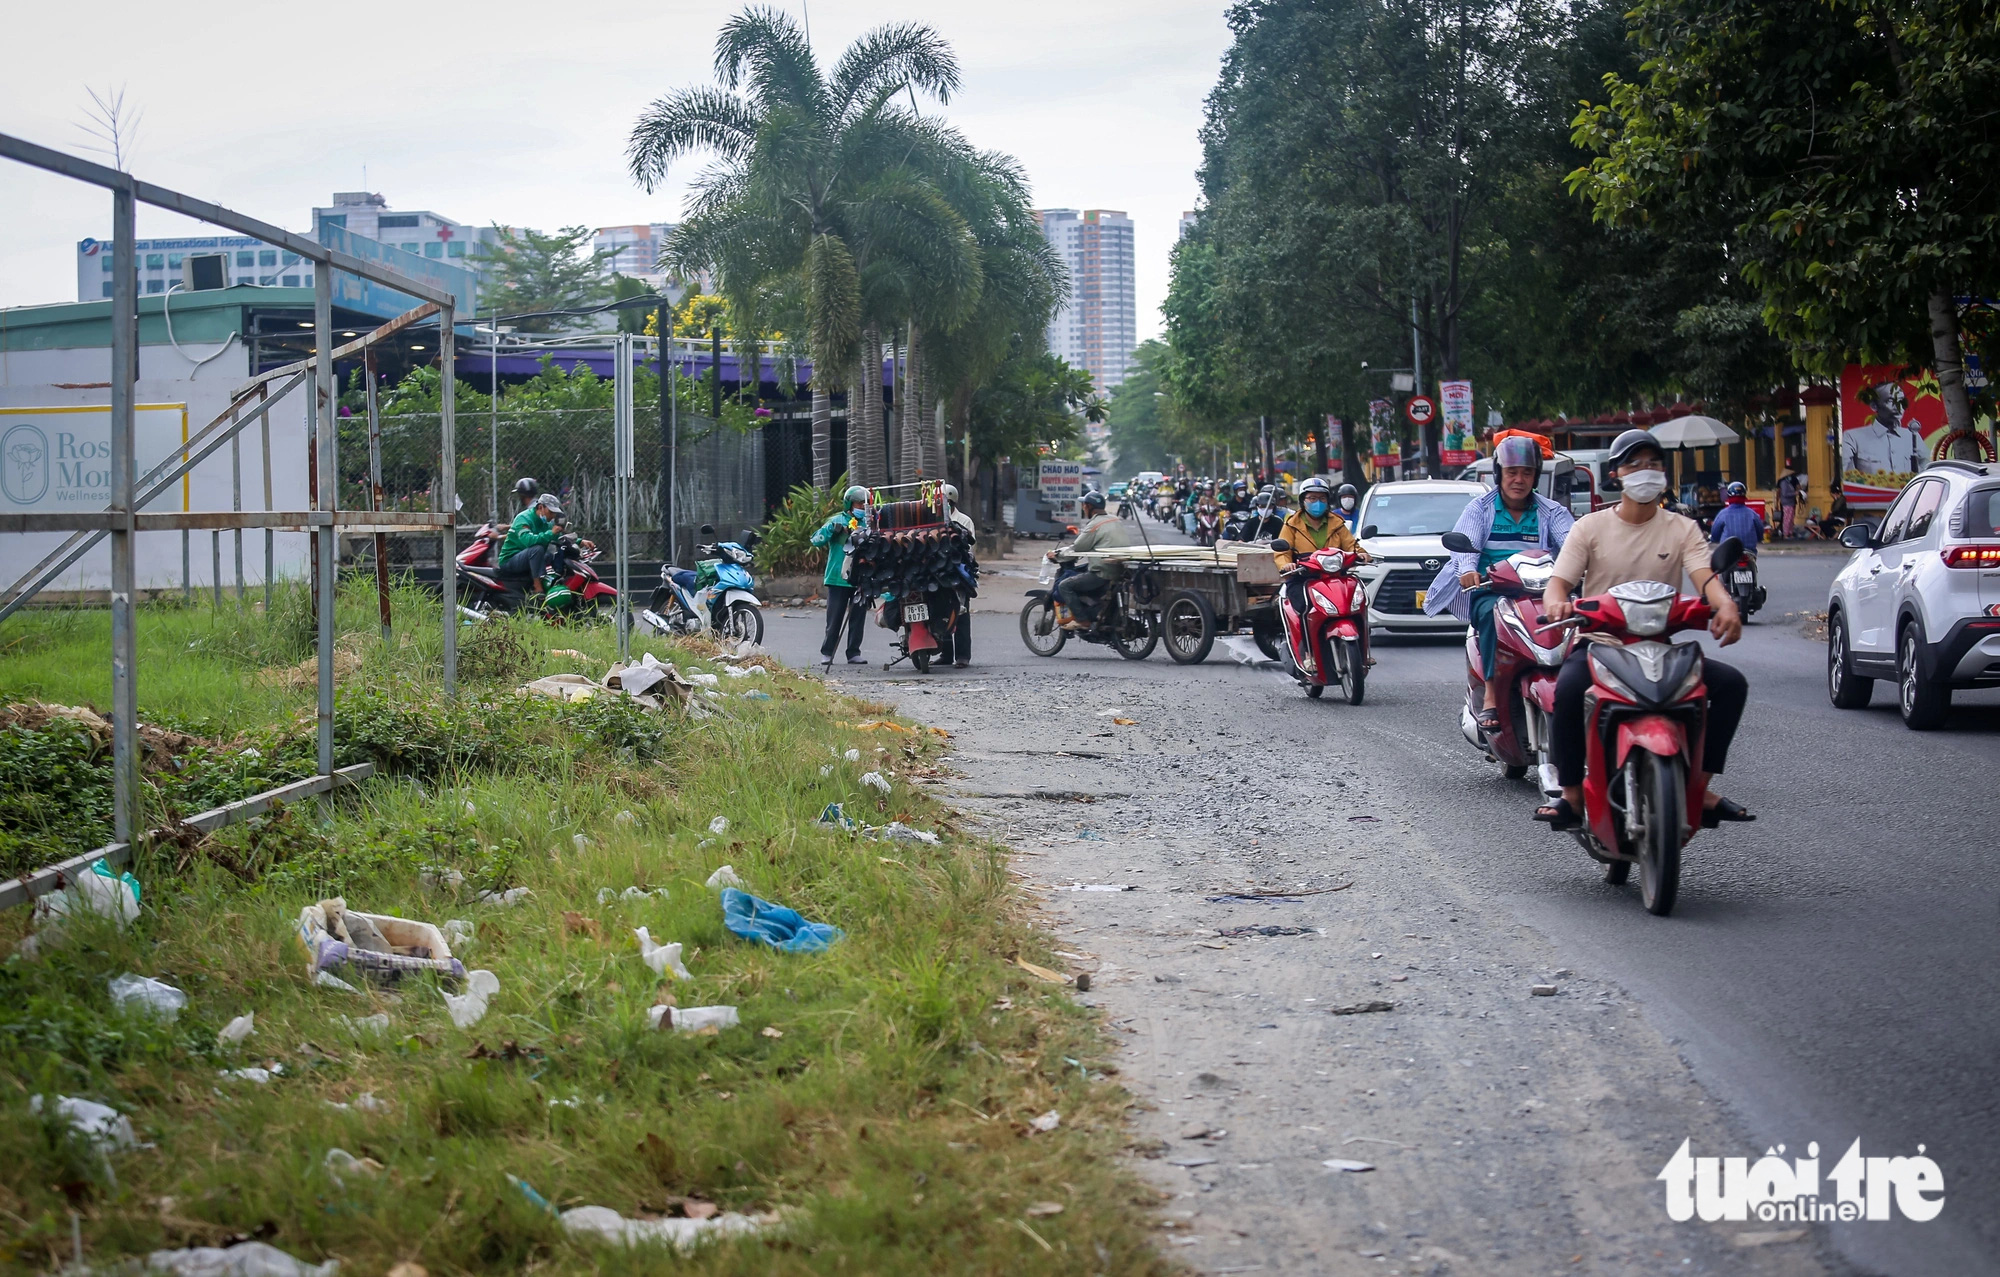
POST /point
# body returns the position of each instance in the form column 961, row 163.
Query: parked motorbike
column 1120, row 623
column 1528, row 654
column 1327, row 645
column 570, row 589
column 718, row 594
column 1741, row 578
column 924, row 623
column 1645, row 717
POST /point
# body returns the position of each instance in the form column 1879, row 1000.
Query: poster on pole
column 1455, row 402
column 1384, row 434
column 1336, row 445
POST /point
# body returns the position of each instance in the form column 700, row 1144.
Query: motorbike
column 1207, row 525
column 925, row 623
column 1645, row 716
column 1165, row 508
column 571, row 588
column 1120, row 623
column 1741, row 578
column 719, row 594
column 1528, row 655
column 1328, row 645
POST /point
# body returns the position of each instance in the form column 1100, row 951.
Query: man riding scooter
column 1636, row 540
column 1349, row 501
column 1503, row 522
column 1315, row 526
column 530, row 543
column 1080, row 591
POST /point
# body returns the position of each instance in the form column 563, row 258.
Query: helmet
column 854, row 496
column 1736, row 490
column 547, row 502
column 526, row 488
column 1625, row 445
column 1315, row 484
column 1241, row 485
column 1348, row 490
column 1519, row 450
column 950, row 492
column 1092, row 499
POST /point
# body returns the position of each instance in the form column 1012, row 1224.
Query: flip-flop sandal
column 1724, row 809
column 1558, row 815
column 1488, row 720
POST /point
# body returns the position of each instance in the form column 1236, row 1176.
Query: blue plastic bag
column 781, row 928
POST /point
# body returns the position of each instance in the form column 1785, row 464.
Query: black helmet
column 1348, row 490
column 1092, row 499
column 527, row 489
column 1630, row 442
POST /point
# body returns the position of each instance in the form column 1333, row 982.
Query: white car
column 1919, row 601
column 1402, row 525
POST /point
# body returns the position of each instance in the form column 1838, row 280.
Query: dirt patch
column 158, row 745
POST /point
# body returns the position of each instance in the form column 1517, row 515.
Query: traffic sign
column 1421, row 410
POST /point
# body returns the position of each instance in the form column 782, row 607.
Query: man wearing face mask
column 1635, row 540
column 1349, row 501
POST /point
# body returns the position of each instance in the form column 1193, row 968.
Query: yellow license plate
column 1421, row 596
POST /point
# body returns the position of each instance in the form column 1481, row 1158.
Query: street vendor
column 1080, row 591
column 844, row 608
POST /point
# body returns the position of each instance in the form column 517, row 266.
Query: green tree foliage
column 534, row 272
column 1033, row 398
column 1849, row 144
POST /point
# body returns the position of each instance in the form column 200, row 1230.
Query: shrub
column 786, row 547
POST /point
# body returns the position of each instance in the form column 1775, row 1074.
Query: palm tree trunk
column 909, row 409
column 822, row 433
column 867, row 461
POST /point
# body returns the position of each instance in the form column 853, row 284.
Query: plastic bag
column 101, row 1124
column 139, row 993
column 781, row 928
column 662, row 958
column 694, row 1019
column 245, row 1259
column 237, row 1030
column 468, row 1008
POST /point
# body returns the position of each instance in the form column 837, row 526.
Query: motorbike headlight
column 1647, row 618
column 1609, row 677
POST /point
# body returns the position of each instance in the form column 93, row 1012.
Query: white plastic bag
column 874, row 780
column 468, row 1008
column 139, row 993
column 245, row 1259
column 662, row 958
column 102, row 1125
column 725, row 877
column 694, row 1019
column 237, row 1030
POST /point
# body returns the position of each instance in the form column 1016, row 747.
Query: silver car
column 1401, row 524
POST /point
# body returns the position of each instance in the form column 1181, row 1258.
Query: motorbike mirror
column 1070, row 528
column 1367, row 532
column 1725, row 554
column 1458, row 543
column 1857, row 536
column 749, row 539
column 705, row 530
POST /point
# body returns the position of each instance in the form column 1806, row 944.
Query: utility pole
column 1417, row 379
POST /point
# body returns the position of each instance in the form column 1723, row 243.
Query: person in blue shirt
column 1511, row 518
column 1736, row 519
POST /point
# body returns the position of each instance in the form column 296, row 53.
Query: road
column 1828, row 974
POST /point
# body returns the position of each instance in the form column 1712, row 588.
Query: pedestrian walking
column 1788, row 501
column 843, row 607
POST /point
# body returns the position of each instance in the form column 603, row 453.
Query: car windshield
column 1414, row 514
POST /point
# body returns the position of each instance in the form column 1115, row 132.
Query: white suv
column 1920, row 600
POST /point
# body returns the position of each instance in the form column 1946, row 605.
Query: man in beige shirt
column 1636, row 540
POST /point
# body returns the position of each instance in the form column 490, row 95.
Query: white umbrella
column 1694, row 432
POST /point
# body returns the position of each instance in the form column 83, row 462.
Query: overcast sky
column 517, row 113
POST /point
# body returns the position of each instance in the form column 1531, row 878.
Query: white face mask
column 1645, row 486
column 1347, row 503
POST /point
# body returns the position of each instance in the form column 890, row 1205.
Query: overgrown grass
column 877, row 1095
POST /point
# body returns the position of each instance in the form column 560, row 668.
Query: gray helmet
column 950, row 492
column 1629, row 443
column 855, row 495
column 1519, row 450
column 1315, row 484
column 547, row 503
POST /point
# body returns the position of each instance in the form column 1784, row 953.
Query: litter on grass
column 694, row 1019
column 781, row 928
column 237, row 1030
column 140, row 993
column 458, row 932
column 94, row 891
column 825, row 770
column 506, row 899
column 605, row 894
column 261, row 1077
column 852, row 755
column 874, row 781
column 328, row 980
column 372, row 945
column 895, row 831
column 468, row 1008
column 662, row 958
column 101, row 1124
column 244, row 1259
column 682, row 1234
column 755, row 696
column 724, row 878
column 1046, row 1122
column 719, row 826
column 339, row 1162
column 377, row 1023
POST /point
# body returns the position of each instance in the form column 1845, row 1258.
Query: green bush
column 55, row 794
column 786, row 547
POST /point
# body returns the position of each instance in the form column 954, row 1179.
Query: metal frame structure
column 122, row 521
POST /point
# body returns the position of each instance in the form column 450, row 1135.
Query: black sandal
column 1488, row 720
column 1558, row 815
column 1724, row 809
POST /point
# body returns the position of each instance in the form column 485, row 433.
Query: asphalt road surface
column 1829, row 973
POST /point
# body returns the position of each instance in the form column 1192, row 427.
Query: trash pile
column 649, row 681
column 372, row 946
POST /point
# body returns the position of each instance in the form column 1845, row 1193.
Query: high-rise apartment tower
column 1099, row 328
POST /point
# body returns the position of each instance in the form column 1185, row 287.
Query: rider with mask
column 1348, row 501
column 1081, row 591
column 1510, row 518
column 529, row 546
column 1316, row 526
column 845, row 609
column 1636, row 540
column 1262, row 521
column 1239, row 498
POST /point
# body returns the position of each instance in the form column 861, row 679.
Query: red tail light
column 1972, row 556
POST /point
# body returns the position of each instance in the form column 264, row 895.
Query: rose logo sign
column 24, row 464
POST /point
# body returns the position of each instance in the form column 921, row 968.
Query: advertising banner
column 59, row 459
column 1384, row 435
column 1336, row 445
column 1455, row 402
column 1061, row 484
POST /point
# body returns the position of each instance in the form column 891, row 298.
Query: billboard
column 1061, row 484
column 1336, row 445
column 1455, row 400
column 58, row 460
column 1384, row 435
column 1889, row 423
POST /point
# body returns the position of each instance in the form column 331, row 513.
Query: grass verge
column 877, row 1097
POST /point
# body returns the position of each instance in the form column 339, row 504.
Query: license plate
column 1421, row 596
column 1744, row 578
column 916, row 612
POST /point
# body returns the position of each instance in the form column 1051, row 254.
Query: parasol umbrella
column 1694, row 432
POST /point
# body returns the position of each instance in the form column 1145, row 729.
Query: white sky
column 524, row 116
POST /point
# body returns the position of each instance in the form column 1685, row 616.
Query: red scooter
column 1645, row 716
column 1329, row 644
column 1528, row 654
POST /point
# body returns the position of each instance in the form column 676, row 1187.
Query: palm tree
column 814, row 191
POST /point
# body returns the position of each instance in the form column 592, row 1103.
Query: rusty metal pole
column 326, row 568
column 127, row 819
column 448, row 489
column 375, row 494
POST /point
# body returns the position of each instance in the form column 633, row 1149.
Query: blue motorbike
column 718, row 594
